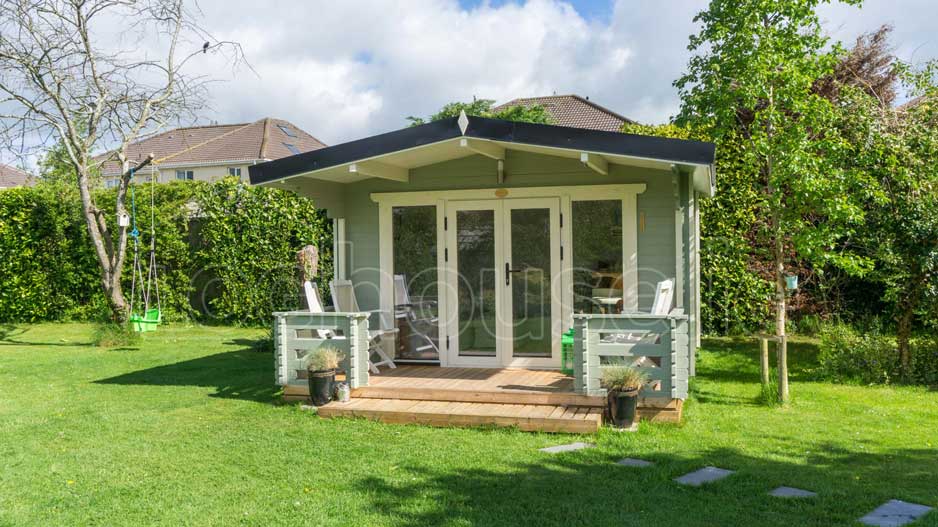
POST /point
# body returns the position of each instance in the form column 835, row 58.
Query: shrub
column 324, row 359
column 924, row 363
column 108, row 335
column 622, row 378
column 847, row 355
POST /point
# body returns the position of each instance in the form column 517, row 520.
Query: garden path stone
column 632, row 462
column 894, row 513
column 567, row 448
column 704, row 475
column 792, row 492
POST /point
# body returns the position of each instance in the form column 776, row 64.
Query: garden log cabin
column 502, row 237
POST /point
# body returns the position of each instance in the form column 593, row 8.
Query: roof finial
column 463, row 122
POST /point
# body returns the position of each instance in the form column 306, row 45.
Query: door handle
column 508, row 271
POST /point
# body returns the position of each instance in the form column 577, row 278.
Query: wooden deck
column 532, row 400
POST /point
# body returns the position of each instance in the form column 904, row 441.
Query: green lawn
column 186, row 430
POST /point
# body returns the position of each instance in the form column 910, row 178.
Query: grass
column 184, row 429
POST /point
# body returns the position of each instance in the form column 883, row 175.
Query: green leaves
column 225, row 251
column 483, row 108
column 249, row 238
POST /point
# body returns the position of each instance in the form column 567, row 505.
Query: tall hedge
column 249, row 239
column 225, row 251
column 46, row 264
column 735, row 294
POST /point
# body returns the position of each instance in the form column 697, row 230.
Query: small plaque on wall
column 501, row 193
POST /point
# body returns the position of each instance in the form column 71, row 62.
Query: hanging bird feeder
column 791, row 282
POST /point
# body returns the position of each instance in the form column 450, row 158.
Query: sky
column 343, row 70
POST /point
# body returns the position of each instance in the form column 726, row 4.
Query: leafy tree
column 752, row 72
column 898, row 148
column 483, row 108
column 63, row 84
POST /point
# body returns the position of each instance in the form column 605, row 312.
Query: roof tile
column 574, row 111
column 261, row 140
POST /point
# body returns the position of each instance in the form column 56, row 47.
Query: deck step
column 480, row 396
column 531, row 418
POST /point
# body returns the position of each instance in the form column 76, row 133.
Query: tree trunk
column 777, row 201
column 110, row 258
column 780, row 308
column 904, row 318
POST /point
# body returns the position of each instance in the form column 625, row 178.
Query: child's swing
column 151, row 318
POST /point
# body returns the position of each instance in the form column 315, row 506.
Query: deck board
column 535, row 400
column 445, row 413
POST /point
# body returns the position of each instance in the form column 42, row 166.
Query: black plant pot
column 320, row 386
column 622, row 408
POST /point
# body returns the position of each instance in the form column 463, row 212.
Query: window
column 287, row 130
column 292, row 148
column 111, row 183
column 414, row 246
column 234, row 171
column 597, row 256
column 185, row 175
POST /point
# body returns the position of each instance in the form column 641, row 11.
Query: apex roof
column 13, row 177
column 264, row 139
column 573, row 111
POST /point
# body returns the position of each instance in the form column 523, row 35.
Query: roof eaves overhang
column 693, row 157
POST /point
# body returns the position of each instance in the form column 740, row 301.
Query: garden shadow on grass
column 589, row 488
column 241, row 374
column 10, row 335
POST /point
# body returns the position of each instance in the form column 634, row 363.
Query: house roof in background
column 14, row 177
column 264, row 139
column 573, row 111
column 911, row 103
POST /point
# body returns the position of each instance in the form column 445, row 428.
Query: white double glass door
column 503, row 277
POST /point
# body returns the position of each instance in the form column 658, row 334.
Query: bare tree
column 65, row 79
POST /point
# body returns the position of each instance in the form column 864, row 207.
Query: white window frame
column 234, row 171
column 626, row 193
column 187, row 175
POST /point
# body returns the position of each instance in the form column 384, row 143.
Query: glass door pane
column 530, row 281
column 475, row 293
column 415, row 283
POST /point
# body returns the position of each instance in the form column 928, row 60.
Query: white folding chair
column 343, row 298
column 315, row 306
column 405, row 308
column 664, row 297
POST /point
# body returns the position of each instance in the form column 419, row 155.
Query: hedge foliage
column 225, row 251
column 870, row 357
column 47, row 269
column 735, row 295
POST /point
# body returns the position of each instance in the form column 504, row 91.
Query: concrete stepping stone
column 632, row 462
column 792, row 492
column 894, row 513
column 702, row 476
column 567, row 448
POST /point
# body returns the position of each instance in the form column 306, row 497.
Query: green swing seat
column 148, row 322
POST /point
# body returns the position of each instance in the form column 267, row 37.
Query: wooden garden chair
column 411, row 312
column 343, row 298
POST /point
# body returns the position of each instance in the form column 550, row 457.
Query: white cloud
column 343, row 70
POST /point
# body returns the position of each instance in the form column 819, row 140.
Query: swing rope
column 152, row 279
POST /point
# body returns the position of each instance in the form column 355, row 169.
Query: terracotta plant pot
column 320, row 386
column 621, row 407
